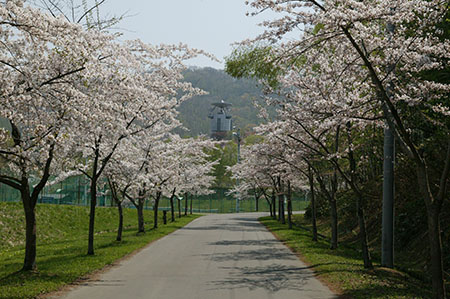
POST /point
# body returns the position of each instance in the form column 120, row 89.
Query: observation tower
column 221, row 121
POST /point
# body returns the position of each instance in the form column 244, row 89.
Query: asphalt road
column 214, row 257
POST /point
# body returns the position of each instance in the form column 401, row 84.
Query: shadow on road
column 233, row 227
column 267, row 242
column 265, row 254
column 273, row 278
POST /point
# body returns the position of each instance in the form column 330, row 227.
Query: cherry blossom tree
column 40, row 56
column 183, row 168
column 160, row 165
column 138, row 88
column 195, row 169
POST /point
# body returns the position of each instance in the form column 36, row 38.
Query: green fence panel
column 75, row 191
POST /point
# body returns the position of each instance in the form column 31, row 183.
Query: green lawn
column 343, row 269
column 62, row 245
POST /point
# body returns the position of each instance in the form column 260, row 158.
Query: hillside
column 220, row 86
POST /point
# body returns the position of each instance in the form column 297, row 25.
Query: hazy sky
column 210, row 25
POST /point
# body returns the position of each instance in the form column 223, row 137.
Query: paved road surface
column 214, row 257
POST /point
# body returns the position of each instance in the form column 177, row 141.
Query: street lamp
column 238, row 138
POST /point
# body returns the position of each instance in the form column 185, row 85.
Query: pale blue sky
column 210, row 25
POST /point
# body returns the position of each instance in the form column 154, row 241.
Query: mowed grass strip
column 62, row 245
column 343, row 270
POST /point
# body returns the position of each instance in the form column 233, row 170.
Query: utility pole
column 238, row 138
column 387, row 236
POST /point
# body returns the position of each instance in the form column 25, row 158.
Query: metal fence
column 75, row 191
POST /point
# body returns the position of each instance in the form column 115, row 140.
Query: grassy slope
column 343, row 269
column 62, row 245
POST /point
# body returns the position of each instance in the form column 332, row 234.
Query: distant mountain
column 220, row 86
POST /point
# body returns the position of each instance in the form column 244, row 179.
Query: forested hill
column 220, row 86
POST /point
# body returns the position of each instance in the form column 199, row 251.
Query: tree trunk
column 140, row 213
column 30, row 230
column 281, row 214
column 115, row 199
column 120, row 228
column 269, row 203
column 334, row 188
column 360, row 203
column 437, row 268
column 363, row 235
column 172, row 208
column 331, row 198
column 186, row 197
column 92, row 214
column 334, row 224
column 270, row 208
column 155, row 210
column 179, row 208
column 192, row 198
column 313, row 204
column 274, row 205
column 256, row 201
column 289, row 205
column 279, row 208
column 434, row 233
column 29, row 205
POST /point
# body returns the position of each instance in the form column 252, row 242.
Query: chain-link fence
column 75, row 191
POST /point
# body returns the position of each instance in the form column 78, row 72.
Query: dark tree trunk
column 30, row 230
column 360, row 204
column 192, row 199
column 334, row 224
column 118, row 202
column 172, row 208
column 281, row 214
column 434, row 206
column 93, row 178
column 155, row 210
column 270, row 208
column 268, row 202
column 29, row 201
column 257, row 200
column 289, row 205
column 120, row 228
column 92, row 214
column 363, row 235
column 140, row 213
column 179, row 207
column 437, row 268
column 279, row 209
column 331, row 198
column 313, row 204
column 186, row 197
column 274, row 205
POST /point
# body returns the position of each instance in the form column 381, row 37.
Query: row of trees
column 356, row 68
column 78, row 101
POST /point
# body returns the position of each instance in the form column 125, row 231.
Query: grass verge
column 343, row 270
column 61, row 251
